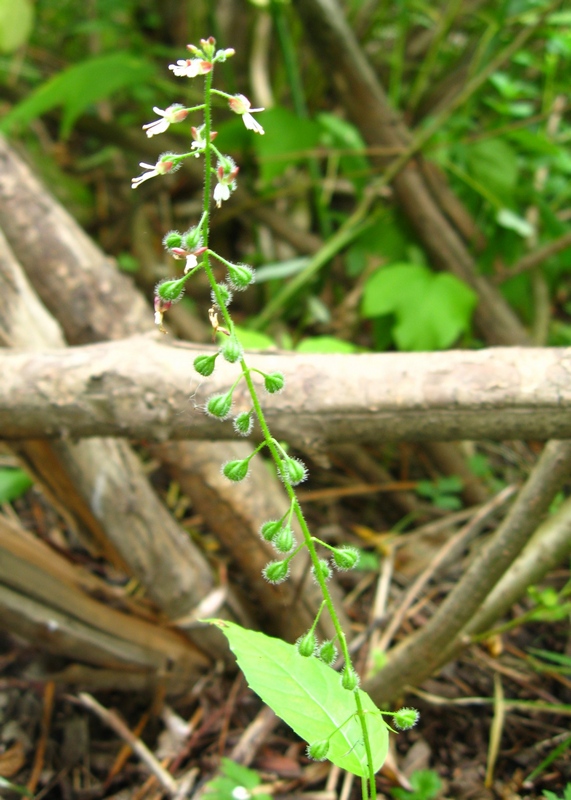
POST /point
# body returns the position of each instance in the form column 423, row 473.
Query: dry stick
column 535, row 258
column 421, row 654
column 548, row 547
column 49, row 691
column 116, row 723
column 254, row 736
column 496, row 730
column 460, row 539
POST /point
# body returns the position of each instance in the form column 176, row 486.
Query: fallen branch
column 147, row 389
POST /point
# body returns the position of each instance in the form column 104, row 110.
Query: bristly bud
column 170, row 290
column 284, row 542
column 345, row 557
column 276, row 571
column 307, row 644
column 318, row 750
column 244, row 423
column 406, row 718
column 205, row 364
column 274, row 382
column 172, row 239
column 236, row 470
column 270, row 529
column 328, row 653
column 292, row 470
column 349, row 679
column 225, row 293
column 240, row 276
column 324, row 569
column 219, row 405
column 231, row 349
column 192, row 239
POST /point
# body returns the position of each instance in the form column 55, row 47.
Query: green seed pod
column 236, row 470
column 270, row 529
column 219, row 405
column 293, row 470
column 170, row 290
column 276, row 571
column 324, row 569
column 192, row 239
column 406, row 718
column 306, row 644
column 274, row 382
column 328, row 653
column 225, row 293
column 284, row 542
column 349, row 679
column 244, row 423
column 318, row 750
column 205, row 364
column 240, row 276
column 345, row 557
column 231, row 349
column 172, row 239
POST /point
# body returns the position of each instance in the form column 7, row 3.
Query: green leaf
column 343, row 135
column 79, row 87
column 16, row 22
column 281, row 269
column 11, row 787
column 288, row 140
column 234, row 777
column 13, row 484
column 308, row 695
column 493, row 163
column 325, row 344
column 431, row 310
column 425, row 785
column 252, row 340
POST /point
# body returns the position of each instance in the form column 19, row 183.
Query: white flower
column 145, row 176
column 168, row 162
column 221, row 192
column 190, row 67
column 174, row 113
column 241, row 105
column 191, row 263
column 226, row 172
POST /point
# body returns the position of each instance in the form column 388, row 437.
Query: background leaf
column 431, row 310
column 13, row 484
column 79, row 87
column 16, row 23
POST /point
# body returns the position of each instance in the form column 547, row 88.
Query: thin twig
column 111, row 719
column 459, row 540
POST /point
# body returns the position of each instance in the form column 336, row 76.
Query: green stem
column 268, row 439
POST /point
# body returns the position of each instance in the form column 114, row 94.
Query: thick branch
column 147, row 389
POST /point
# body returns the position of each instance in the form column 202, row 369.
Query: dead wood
column 58, row 606
column 147, row 388
column 104, row 481
column 93, row 301
column 420, row 654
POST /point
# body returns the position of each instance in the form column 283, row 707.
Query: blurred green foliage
column 504, row 150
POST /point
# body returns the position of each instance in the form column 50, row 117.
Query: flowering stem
column 194, row 243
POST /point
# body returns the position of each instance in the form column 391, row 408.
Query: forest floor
column 475, row 732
